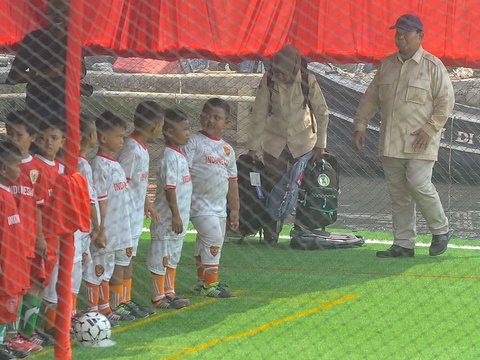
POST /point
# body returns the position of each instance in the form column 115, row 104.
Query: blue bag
column 283, row 198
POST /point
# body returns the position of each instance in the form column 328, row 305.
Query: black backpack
column 318, row 197
column 253, row 216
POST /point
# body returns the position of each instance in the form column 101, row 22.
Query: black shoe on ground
column 396, row 251
column 439, row 244
column 7, row 353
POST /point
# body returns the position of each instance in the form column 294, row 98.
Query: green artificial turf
column 325, row 304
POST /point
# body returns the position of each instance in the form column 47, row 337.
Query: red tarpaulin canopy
column 333, row 31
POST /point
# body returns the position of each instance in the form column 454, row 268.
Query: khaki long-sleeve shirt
column 289, row 123
column 410, row 95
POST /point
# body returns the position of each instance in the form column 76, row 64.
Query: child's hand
column 234, row 220
column 101, row 240
column 177, row 224
column 94, row 235
column 84, row 258
column 41, row 246
column 153, row 214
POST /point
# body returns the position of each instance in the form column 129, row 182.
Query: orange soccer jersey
column 11, row 264
column 29, row 192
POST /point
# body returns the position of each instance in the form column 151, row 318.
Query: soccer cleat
column 176, row 302
column 7, row 353
column 165, row 303
column 216, row 291
column 197, row 288
column 42, row 339
column 19, row 343
column 136, row 310
column 113, row 318
column 148, row 309
column 124, row 313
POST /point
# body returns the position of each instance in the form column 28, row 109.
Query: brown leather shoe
column 396, row 251
column 439, row 244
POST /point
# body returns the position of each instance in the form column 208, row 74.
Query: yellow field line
column 160, row 316
column 137, row 323
column 262, row 328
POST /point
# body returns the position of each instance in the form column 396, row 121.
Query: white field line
column 368, row 241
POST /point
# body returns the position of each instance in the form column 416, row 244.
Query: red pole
column 73, row 70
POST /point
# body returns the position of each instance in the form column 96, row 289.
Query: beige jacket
column 412, row 94
column 289, row 124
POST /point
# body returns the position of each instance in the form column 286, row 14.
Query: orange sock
column 92, row 295
column 210, row 274
column 116, row 297
column 50, row 317
column 158, row 286
column 74, row 304
column 127, row 290
column 200, row 268
column 104, row 298
column 170, row 280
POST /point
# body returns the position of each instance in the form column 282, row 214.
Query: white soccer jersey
column 135, row 160
column 173, row 173
column 212, row 165
column 82, row 239
column 111, row 185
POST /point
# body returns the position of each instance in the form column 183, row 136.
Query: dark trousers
column 274, row 170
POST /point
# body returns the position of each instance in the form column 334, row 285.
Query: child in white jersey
column 174, row 191
column 134, row 158
column 214, row 179
column 112, row 191
column 88, row 243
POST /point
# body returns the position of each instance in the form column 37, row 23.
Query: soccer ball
column 93, row 329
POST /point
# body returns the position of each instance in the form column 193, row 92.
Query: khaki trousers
column 409, row 183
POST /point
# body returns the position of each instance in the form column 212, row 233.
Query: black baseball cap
column 408, row 22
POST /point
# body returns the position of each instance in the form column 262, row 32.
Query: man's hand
column 422, row 140
column 177, row 224
column 319, row 153
column 41, row 246
column 253, row 155
column 234, row 220
column 358, row 140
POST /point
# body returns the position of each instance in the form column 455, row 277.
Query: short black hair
column 52, row 123
column 8, row 151
column 147, row 114
column 22, row 117
column 173, row 116
column 87, row 124
column 217, row 102
column 108, row 121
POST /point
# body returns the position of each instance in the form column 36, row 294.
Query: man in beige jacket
column 282, row 126
column 414, row 95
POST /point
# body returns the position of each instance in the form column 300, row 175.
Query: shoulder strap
column 270, row 84
column 306, row 92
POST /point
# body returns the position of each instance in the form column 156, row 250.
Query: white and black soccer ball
column 93, row 329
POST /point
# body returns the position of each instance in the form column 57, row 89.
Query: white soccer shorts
column 210, row 238
column 170, row 247
column 95, row 269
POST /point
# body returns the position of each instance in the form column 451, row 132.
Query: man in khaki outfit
column 414, row 95
column 281, row 124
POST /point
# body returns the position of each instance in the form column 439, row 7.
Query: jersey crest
column 227, row 149
column 99, row 270
column 129, row 251
column 34, row 174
